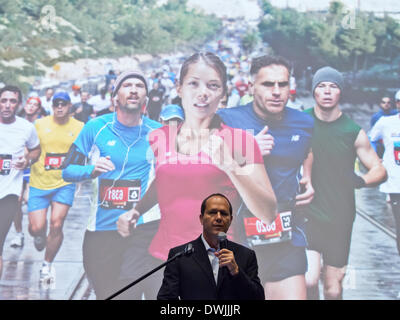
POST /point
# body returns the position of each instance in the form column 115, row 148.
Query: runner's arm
column 249, row 178
column 149, row 199
column 254, row 186
column 376, row 172
column 375, row 133
column 33, row 149
column 29, row 158
column 34, row 154
column 306, row 197
column 129, row 219
column 74, row 168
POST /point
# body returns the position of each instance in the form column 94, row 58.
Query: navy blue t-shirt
column 292, row 137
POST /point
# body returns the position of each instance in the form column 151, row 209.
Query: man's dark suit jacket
column 190, row 277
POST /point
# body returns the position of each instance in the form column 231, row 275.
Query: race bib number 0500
column 259, row 232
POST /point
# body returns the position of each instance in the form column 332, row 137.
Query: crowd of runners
column 217, row 122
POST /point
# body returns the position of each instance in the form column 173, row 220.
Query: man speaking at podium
column 214, row 268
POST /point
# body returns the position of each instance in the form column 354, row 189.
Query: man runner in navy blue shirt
column 284, row 137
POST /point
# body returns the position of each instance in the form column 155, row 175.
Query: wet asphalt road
column 20, row 279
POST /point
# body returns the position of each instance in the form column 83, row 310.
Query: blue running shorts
column 41, row 199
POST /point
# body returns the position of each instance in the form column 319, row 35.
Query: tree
column 250, row 41
column 328, row 39
column 356, row 45
column 39, row 33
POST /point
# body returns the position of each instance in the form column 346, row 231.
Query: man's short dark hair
column 265, row 61
column 383, row 97
column 203, row 204
column 14, row 89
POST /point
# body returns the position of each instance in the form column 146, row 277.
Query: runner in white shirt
column 47, row 101
column 388, row 129
column 293, row 102
column 100, row 102
column 17, row 134
column 75, row 95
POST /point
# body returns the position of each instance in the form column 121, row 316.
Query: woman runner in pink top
column 200, row 157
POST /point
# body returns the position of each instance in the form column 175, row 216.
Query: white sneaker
column 18, row 240
column 47, row 274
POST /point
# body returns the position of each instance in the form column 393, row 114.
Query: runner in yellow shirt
column 56, row 134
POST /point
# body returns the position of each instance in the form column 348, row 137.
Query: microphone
column 223, row 243
column 188, row 249
column 185, row 252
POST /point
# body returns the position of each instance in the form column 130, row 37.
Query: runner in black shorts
column 121, row 174
column 333, row 248
column 337, row 141
column 284, row 137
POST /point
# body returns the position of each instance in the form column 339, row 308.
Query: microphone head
column 221, row 236
column 222, row 240
column 189, row 249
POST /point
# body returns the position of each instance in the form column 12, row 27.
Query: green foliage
column 266, row 6
column 289, row 34
column 39, row 33
column 250, row 41
column 342, row 38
